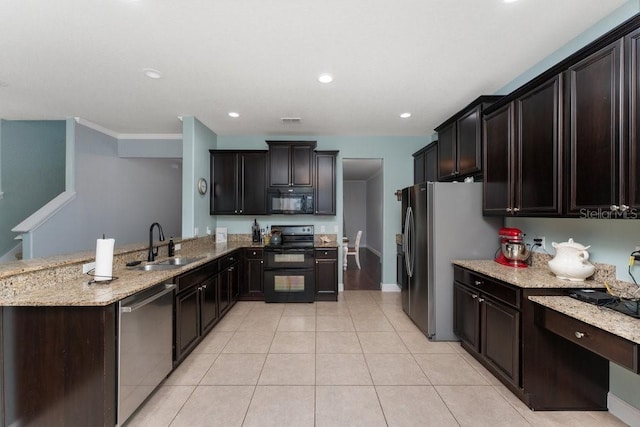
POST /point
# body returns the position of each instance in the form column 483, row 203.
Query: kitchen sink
column 179, row 261
column 169, row 264
column 155, row 267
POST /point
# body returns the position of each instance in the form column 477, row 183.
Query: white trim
column 340, row 287
column 150, row 136
column 620, row 409
column 389, row 287
column 11, row 254
column 116, row 135
column 45, row 212
column 95, row 127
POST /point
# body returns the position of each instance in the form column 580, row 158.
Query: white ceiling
column 261, row 58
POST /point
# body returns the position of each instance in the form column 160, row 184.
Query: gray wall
column 355, row 210
column 116, row 197
column 32, row 168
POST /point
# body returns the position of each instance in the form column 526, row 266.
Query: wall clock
column 202, row 186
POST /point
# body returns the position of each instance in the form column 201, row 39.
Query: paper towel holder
column 106, row 279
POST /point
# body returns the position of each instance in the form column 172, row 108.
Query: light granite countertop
column 130, row 280
column 530, row 277
column 606, row 319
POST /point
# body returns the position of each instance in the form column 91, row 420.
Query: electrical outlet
column 88, row 267
column 543, row 243
column 178, row 246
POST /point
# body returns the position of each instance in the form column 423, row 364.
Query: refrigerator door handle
column 409, row 260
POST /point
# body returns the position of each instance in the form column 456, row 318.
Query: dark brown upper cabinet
column 238, row 182
column 425, row 164
column 325, row 183
column 593, row 129
column 523, row 154
column 632, row 61
column 460, row 142
column 291, row 163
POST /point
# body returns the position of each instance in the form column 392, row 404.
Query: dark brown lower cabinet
column 252, row 282
column 495, row 323
column 58, row 366
column 326, row 274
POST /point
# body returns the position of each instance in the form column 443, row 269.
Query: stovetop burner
column 293, row 237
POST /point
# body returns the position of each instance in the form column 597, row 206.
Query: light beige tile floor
column 358, row 361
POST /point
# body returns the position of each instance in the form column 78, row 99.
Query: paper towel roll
column 104, row 259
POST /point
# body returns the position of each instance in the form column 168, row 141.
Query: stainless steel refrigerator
column 441, row 222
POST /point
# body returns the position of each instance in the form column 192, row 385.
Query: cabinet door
column 497, row 138
column 279, row 175
column 633, row 164
column 224, row 291
column 325, row 183
column 251, row 287
column 594, row 138
column 223, row 196
column 234, row 281
column 327, row 275
column 447, row 153
column 538, row 150
column 431, row 163
column 466, row 315
column 419, row 168
column 187, row 321
column 301, row 165
column 469, row 155
column 208, row 304
column 253, row 183
column 501, row 337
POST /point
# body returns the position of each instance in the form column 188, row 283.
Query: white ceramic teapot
column 571, row 261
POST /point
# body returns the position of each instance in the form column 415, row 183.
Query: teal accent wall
column 32, row 165
column 197, row 140
column 396, row 152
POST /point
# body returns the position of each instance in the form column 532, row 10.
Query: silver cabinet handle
column 614, row 208
column 474, row 296
column 516, row 210
column 204, row 287
column 624, row 208
column 478, row 282
column 579, row 334
column 480, row 299
column 509, row 210
column 261, row 262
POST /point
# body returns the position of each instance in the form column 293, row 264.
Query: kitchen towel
column 104, row 259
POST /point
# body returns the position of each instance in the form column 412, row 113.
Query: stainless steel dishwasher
column 145, row 345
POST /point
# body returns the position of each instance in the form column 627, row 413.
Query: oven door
column 289, row 285
column 285, row 258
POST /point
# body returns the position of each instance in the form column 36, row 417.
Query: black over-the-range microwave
column 290, row 201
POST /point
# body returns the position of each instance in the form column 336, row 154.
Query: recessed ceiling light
column 510, row 1
column 325, row 78
column 405, row 115
column 152, row 73
column 234, row 114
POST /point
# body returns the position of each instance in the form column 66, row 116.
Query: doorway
column 363, row 211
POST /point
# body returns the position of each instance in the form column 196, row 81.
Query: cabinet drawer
column 253, row 253
column 603, row 343
column 196, row 276
column 228, row 261
column 495, row 289
column 326, row 253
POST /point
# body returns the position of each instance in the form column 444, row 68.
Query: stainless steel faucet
column 153, row 254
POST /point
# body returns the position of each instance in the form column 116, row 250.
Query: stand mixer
column 513, row 251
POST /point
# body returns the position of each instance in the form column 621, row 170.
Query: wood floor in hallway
column 366, row 278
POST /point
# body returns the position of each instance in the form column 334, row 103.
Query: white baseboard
column 389, row 287
column 620, row 409
column 340, row 287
